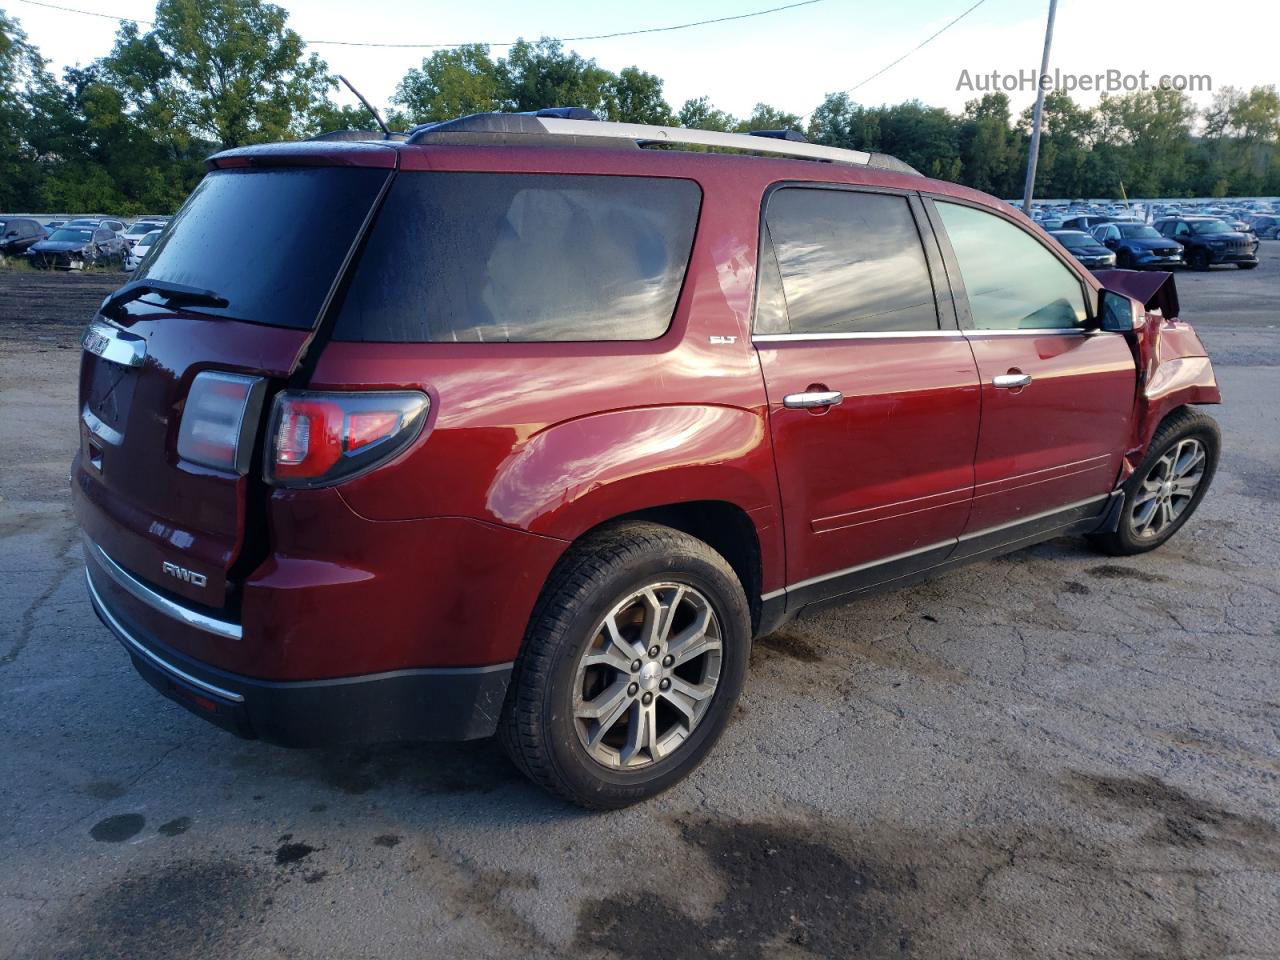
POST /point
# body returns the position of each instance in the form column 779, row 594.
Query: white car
column 140, row 248
column 139, row 229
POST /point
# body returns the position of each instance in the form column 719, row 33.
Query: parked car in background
column 140, row 228
column 115, row 226
column 1086, row 222
column 18, row 234
column 572, row 426
column 53, row 225
column 1207, row 241
column 1085, row 248
column 1137, row 245
column 1265, row 225
column 74, row 248
column 138, row 250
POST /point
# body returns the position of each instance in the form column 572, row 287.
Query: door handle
column 1010, row 381
column 807, row 401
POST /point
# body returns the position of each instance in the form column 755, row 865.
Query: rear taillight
column 219, row 420
column 317, row 439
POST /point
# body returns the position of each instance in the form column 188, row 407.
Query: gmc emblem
column 182, row 573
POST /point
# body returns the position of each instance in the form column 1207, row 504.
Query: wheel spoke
column 693, row 640
column 1149, row 492
column 610, row 656
column 1142, row 518
column 694, row 691
column 615, row 638
column 1186, row 486
column 606, row 702
column 642, row 733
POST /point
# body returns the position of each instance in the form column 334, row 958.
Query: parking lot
column 1053, row 754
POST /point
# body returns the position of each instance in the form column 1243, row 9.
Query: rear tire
column 581, row 720
column 1168, row 485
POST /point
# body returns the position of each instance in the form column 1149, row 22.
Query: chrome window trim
column 139, row 591
column 1045, row 332
column 117, row 346
column 859, row 335
column 99, row 429
column 134, row 645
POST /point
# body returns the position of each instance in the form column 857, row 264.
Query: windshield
column 64, row 236
column 1139, row 231
column 1203, row 227
column 149, row 239
column 141, row 229
column 279, row 273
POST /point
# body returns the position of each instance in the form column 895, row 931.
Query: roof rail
column 546, row 129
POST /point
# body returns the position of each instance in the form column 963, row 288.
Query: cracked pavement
column 1052, row 754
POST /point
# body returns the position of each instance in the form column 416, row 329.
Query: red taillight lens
column 318, row 439
column 219, row 419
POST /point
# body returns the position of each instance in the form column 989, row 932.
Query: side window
column 496, row 257
column 102, row 236
column 847, row 262
column 1012, row 282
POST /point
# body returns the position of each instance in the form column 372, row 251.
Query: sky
column 790, row 59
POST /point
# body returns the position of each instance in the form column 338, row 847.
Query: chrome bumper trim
column 132, row 644
column 139, row 591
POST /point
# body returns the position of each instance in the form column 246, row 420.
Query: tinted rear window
column 522, row 257
column 270, row 241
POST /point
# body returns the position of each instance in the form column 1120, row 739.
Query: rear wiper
column 173, row 292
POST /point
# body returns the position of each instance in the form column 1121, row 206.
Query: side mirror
column 1116, row 313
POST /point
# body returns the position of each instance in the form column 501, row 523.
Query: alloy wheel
column 648, row 676
column 1168, row 488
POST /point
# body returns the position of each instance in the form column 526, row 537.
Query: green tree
column 699, row 114
column 542, row 74
column 634, row 96
column 765, row 117
column 988, row 148
column 22, row 75
column 451, row 83
column 229, row 72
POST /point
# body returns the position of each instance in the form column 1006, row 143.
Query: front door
column 1057, row 397
column 873, row 403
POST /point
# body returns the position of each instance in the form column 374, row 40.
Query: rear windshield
column 522, row 257
column 269, row 241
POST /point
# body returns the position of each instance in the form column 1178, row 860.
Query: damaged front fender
column 1174, row 368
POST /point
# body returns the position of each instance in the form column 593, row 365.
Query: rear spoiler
column 1156, row 289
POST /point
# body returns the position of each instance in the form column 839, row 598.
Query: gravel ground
column 1055, row 754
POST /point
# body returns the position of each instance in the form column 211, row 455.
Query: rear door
column 873, row 393
column 1057, row 397
column 270, row 243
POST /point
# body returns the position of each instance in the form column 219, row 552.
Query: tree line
column 129, row 133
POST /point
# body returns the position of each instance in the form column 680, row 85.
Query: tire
column 1199, row 259
column 1124, row 260
column 543, row 729
column 1246, row 266
column 1134, row 533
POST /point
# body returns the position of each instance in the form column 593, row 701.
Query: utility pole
column 1034, row 152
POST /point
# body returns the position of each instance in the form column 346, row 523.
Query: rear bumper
column 440, row 703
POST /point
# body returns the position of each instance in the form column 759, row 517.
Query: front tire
column 1246, row 266
column 634, row 658
column 1168, row 485
column 1199, row 259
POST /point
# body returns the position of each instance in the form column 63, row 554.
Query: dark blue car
column 1084, row 248
column 1137, row 245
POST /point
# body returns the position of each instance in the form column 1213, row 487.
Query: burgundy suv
column 522, row 426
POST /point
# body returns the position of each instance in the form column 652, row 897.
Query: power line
column 447, row 46
column 917, row 47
